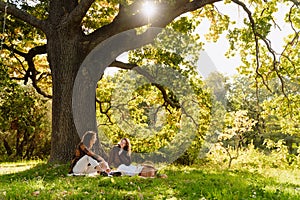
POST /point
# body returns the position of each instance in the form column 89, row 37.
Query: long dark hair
column 87, row 137
column 127, row 146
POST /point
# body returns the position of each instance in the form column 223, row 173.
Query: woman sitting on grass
column 120, row 158
column 86, row 161
column 120, row 154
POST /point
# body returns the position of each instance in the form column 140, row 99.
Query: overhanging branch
column 31, row 72
column 168, row 100
column 296, row 2
column 258, row 36
column 80, row 11
column 24, row 16
column 293, row 42
column 131, row 17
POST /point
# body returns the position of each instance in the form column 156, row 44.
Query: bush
column 277, row 156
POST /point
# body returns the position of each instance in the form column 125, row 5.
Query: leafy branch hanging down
column 293, row 42
column 168, row 100
column 275, row 62
column 168, row 97
column 31, row 72
column 258, row 36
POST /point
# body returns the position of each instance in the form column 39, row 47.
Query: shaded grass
column 39, row 180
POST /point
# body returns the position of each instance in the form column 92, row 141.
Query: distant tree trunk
column 7, row 147
column 19, row 148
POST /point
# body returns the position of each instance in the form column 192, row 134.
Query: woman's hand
column 121, row 150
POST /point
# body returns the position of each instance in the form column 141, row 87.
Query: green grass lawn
column 39, row 180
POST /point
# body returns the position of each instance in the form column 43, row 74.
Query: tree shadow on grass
column 47, row 171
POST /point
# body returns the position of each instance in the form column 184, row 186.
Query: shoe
column 115, row 173
column 103, row 174
column 70, row 174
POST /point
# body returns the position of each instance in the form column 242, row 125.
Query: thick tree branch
column 105, row 112
column 135, row 41
column 131, row 17
column 31, row 72
column 122, row 65
column 24, row 16
column 80, row 11
column 196, row 4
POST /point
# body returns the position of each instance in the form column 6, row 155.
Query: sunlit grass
column 32, row 180
column 8, row 168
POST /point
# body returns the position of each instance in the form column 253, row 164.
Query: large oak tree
column 71, row 33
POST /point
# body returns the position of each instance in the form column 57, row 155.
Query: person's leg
column 104, row 167
column 81, row 165
column 85, row 165
column 93, row 166
column 130, row 170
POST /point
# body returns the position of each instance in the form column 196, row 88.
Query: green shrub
column 277, row 156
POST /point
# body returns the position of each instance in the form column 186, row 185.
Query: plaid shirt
column 80, row 151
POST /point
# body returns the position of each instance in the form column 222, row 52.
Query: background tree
column 276, row 114
column 237, row 124
column 68, row 30
column 218, row 84
column 24, row 121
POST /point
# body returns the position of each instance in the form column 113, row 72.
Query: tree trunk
column 65, row 58
column 66, row 50
column 7, row 147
